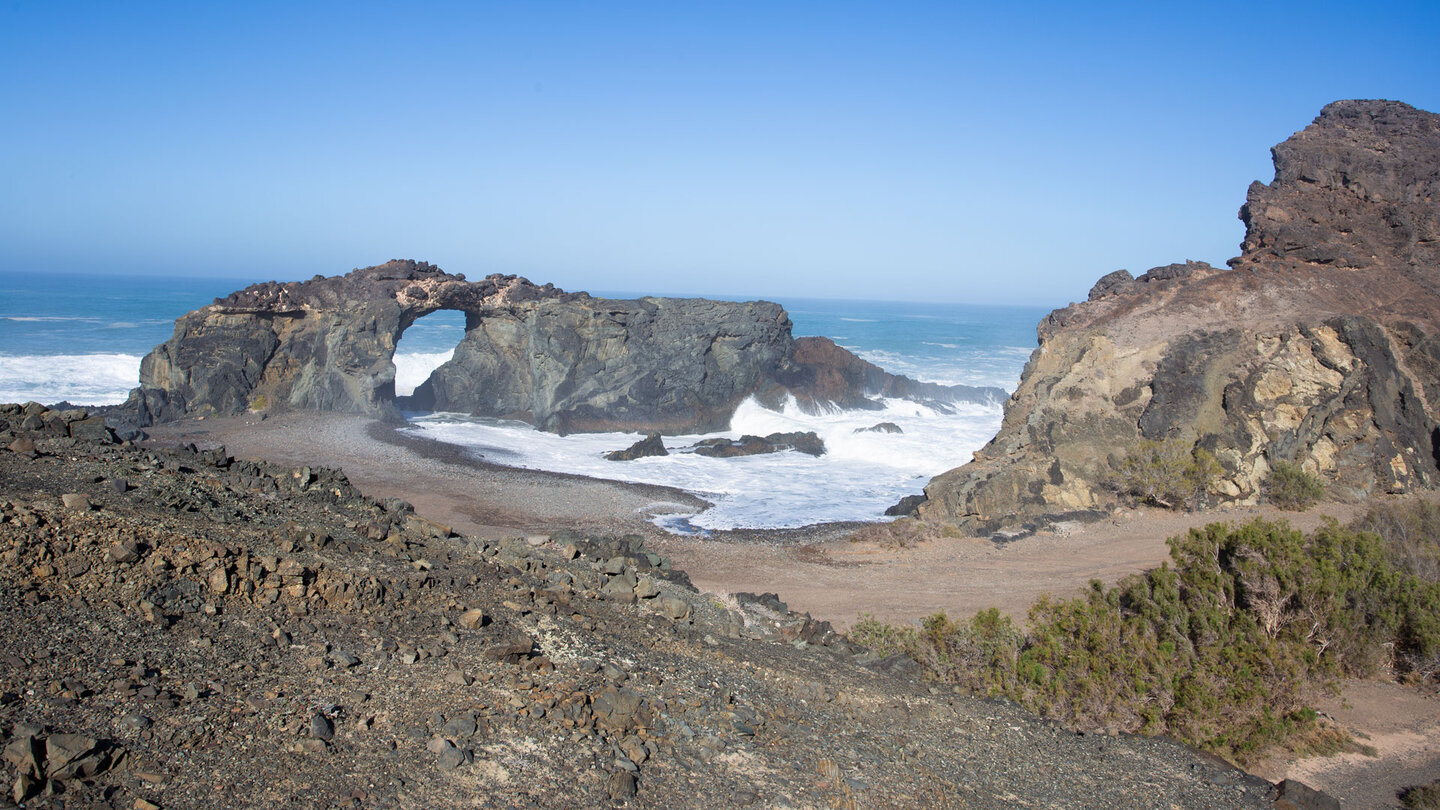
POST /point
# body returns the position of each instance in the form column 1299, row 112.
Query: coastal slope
column 565, row 362
column 185, row 629
column 1319, row 346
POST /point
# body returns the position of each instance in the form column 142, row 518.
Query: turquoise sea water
column 80, row 338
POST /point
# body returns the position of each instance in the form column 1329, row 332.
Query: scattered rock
column 126, row 551
column 24, row 446
column 1295, row 795
column 647, row 447
column 321, row 728
column 621, row 785
column 672, row 607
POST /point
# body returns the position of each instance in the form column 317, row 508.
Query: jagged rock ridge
column 1321, row 346
column 565, row 362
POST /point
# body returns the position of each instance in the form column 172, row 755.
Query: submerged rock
column 882, row 427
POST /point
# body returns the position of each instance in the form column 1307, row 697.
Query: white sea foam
column 47, row 318
column 106, row 379
column 860, row 475
column 413, row 368
column 84, row 379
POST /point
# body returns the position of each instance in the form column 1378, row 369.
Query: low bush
column 1421, row 797
column 1169, row 473
column 1410, row 528
column 885, row 639
column 1289, row 487
column 1220, row 647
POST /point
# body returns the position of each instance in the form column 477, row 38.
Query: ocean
column 79, row 338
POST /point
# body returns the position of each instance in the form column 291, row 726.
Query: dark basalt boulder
column 647, row 447
column 565, row 362
column 808, row 443
column 1112, row 283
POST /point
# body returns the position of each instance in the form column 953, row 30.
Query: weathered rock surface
column 565, row 362
column 269, row 636
column 1320, row 347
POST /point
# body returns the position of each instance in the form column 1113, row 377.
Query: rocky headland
column 565, row 362
column 1319, row 346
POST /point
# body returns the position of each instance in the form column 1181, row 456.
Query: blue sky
column 907, row 151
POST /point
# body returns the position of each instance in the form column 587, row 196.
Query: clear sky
column 1005, row 153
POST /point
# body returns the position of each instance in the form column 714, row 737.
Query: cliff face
column 566, row 362
column 1321, row 346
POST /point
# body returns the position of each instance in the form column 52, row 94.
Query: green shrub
column 1291, row 488
column 979, row 655
column 885, row 639
column 1410, row 528
column 1221, row 649
column 1169, row 473
column 1421, row 797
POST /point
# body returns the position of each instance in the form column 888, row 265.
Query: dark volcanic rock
column 498, row 673
column 647, row 447
column 1357, row 189
column 1111, row 283
column 807, row 442
column 566, row 362
column 1321, row 347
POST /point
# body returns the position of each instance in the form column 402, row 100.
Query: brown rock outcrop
column 1320, row 347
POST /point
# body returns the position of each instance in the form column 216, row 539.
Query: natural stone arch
column 563, row 361
column 326, row 344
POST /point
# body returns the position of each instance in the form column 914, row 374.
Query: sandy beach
column 817, row 569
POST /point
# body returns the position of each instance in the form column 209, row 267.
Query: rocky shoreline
column 184, row 629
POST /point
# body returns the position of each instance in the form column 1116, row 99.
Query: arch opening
column 424, row 346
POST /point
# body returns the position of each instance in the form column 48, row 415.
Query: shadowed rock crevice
column 565, row 362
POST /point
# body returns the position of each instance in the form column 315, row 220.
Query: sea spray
column 106, row 379
column 861, row 474
column 414, row 368
column 84, row 379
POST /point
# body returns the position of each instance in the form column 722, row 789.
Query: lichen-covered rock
column 565, row 362
column 1320, row 347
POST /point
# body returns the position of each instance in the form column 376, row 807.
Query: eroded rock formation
column 1321, row 346
column 565, row 362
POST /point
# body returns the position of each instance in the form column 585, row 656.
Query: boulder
column 647, row 447
column 807, row 442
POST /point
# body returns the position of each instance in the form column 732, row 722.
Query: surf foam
column 861, row 474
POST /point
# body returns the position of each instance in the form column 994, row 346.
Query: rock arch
column 562, row 361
